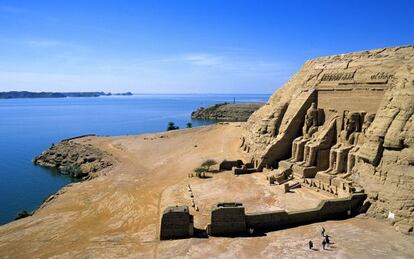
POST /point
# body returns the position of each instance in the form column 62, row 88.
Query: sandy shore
column 117, row 214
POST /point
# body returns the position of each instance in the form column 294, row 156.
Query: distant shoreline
column 27, row 94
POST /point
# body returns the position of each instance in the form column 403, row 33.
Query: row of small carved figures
column 350, row 76
column 381, row 75
column 338, row 76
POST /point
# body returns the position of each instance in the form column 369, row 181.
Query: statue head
column 311, row 115
column 352, row 123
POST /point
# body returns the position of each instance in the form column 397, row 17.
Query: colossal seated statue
column 359, row 141
column 309, row 128
column 346, row 141
column 323, row 141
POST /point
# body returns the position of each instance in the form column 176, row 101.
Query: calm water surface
column 29, row 126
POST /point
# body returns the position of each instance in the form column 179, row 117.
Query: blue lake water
column 29, row 126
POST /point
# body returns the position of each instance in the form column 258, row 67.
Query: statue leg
column 332, row 158
column 294, row 150
column 351, row 162
column 339, row 162
column 305, row 155
column 343, row 160
column 311, row 156
column 301, row 150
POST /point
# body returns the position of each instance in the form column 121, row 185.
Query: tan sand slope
column 117, row 214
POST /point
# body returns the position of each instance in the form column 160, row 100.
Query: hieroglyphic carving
column 380, row 75
column 379, row 78
column 344, row 76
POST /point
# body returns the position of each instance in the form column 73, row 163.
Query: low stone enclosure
column 237, row 167
column 230, row 219
column 227, row 218
column 176, row 222
column 328, row 209
column 229, row 164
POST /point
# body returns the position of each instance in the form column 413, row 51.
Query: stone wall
column 229, row 164
column 230, row 218
column 176, row 222
column 227, row 219
column 239, row 171
column 328, row 209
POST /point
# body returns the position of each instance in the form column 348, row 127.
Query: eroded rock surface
column 226, row 112
column 350, row 120
column 76, row 159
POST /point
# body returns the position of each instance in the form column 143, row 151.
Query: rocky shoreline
column 81, row 161
column 232, row 112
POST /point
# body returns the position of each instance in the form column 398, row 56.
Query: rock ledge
column 226, row 112
column 80, row 161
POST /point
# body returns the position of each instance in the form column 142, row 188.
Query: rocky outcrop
column 386, row 170
column 226, row 112
column 81, row 161
column 350, row 119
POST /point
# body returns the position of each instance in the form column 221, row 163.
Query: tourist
column 310, row 244
column 328, row 242
column 323, row 231
column 323, row 244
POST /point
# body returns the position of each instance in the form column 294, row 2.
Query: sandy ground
column 118, row 213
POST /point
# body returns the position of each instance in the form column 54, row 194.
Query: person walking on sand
column 310, row 244
column 323, row 231
column 327, row 240
column 323, row 244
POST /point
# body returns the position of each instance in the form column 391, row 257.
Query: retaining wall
column 328, row 209
column 176, row 222
column 238, row 171
column 228, row 165
column 227, row 219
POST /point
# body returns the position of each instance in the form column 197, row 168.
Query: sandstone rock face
column 77, row 160
column 359, row 133
column 226, row 112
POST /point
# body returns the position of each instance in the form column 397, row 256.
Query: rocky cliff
column 81, row 161
column 226, row 112
column 345, row 119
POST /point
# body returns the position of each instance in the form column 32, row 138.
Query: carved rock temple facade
column 344, row 124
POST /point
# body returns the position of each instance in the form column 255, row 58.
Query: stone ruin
column 230, row 218
column 229, row 164
column 344, row 124
column 176, row 222
column 227, row 219
column 238, row 167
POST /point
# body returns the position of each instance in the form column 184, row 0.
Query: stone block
column 304, row 171
column 176, row 222
column 227, row 219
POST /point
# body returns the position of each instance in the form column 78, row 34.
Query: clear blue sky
column 184, row 46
